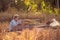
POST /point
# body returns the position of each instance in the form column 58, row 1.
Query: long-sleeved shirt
column 14, row 23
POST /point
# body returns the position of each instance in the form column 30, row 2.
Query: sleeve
column 20, row 22
column 10, row 26
column 13, row 24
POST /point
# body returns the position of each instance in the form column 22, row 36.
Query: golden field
column 26, row 34
column 43, row 10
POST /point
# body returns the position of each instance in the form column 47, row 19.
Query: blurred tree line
column 30, row 5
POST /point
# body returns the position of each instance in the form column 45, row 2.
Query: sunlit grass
column 26, row 34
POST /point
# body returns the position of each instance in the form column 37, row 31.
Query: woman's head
column 16, row 17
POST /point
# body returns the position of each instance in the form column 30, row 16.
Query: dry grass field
column 42, row 10
column 26, row 34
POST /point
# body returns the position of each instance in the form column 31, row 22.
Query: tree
column 4, row 5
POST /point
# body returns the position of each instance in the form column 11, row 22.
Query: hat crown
column 16, row 15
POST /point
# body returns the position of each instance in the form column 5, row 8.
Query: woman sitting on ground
column 15, row 22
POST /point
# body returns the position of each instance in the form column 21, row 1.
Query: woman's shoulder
column 12, row 21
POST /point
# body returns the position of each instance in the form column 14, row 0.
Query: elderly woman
column 14, row 22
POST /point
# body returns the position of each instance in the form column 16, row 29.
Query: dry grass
column 7, row 15
column 4, row 26
column 26, row 34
